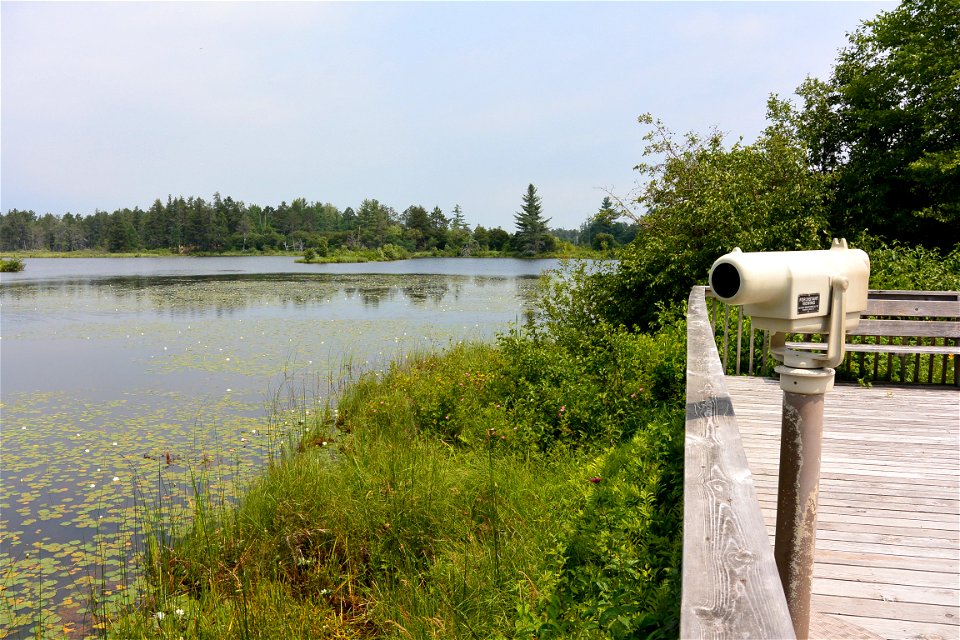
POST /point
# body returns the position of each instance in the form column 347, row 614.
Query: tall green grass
column 454, row 496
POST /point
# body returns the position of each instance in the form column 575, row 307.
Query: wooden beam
column 731, row 588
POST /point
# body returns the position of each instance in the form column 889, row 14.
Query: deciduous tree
column 886, row 125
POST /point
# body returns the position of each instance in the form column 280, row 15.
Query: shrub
column 898, row 266
column 393, row 252
column 618, row 563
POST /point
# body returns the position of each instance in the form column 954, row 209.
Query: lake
column 123, row 380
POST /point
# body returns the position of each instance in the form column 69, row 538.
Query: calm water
column 120, row 377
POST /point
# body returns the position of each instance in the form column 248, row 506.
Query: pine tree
column 458, row 222
column 531, row 236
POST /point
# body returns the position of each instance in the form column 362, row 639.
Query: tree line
column 222, row 224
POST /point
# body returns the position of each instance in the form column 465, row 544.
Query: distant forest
column 194, row 225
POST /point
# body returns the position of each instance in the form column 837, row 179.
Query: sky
column 115, row 104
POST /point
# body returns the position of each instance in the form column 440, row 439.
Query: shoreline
column 368, row 255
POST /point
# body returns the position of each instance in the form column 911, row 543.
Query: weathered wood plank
column 827, row 627
column 854, row 479
column 913, row 294
column 917, row 328
column 887, row 628
column 886, row 592
column 886, row 549
column 910, row 611
column 934, row 349
column 883, row 459
column 888, row 306
column 886, row 530
column 829, row 556
column 834, row 507
column 731, row 588
column 891, row 538
column 944, row 479
column 844, row 513
column 885, row 575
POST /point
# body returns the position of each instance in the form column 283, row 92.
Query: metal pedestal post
column 799, row 485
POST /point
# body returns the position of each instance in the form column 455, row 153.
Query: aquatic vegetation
column 153, row 383
column 11, row 265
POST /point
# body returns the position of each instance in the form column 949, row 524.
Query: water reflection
column 223, row 294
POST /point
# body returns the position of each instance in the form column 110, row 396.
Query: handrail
column 731, row 588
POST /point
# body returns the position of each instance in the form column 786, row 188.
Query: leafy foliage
column 886, row 126
column 702, row 200
column 897, row 266
column 619, row 563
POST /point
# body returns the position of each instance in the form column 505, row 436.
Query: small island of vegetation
column 11, row 265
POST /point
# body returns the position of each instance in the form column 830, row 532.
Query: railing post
column 726, row 332
column 739, row 336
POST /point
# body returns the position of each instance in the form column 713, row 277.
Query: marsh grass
column 430, row 503
column 371, row 528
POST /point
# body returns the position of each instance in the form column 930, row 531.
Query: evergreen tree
column 459, row 223
column 373, row 219
column 531, row 236
column 155, row 234
column 121, row 234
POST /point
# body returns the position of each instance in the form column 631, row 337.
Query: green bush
column 393, row 252
column 898, row 266
column 618, row 563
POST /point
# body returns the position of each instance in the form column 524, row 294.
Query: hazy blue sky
column 107, row 105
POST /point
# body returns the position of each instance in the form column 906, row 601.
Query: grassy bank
column 525, row 489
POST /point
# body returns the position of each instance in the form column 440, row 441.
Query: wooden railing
column 731, row 588
column 905, row 337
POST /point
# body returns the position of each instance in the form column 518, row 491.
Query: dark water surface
column 119, row 378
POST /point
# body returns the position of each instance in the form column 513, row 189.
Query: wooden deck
column 888, row 548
